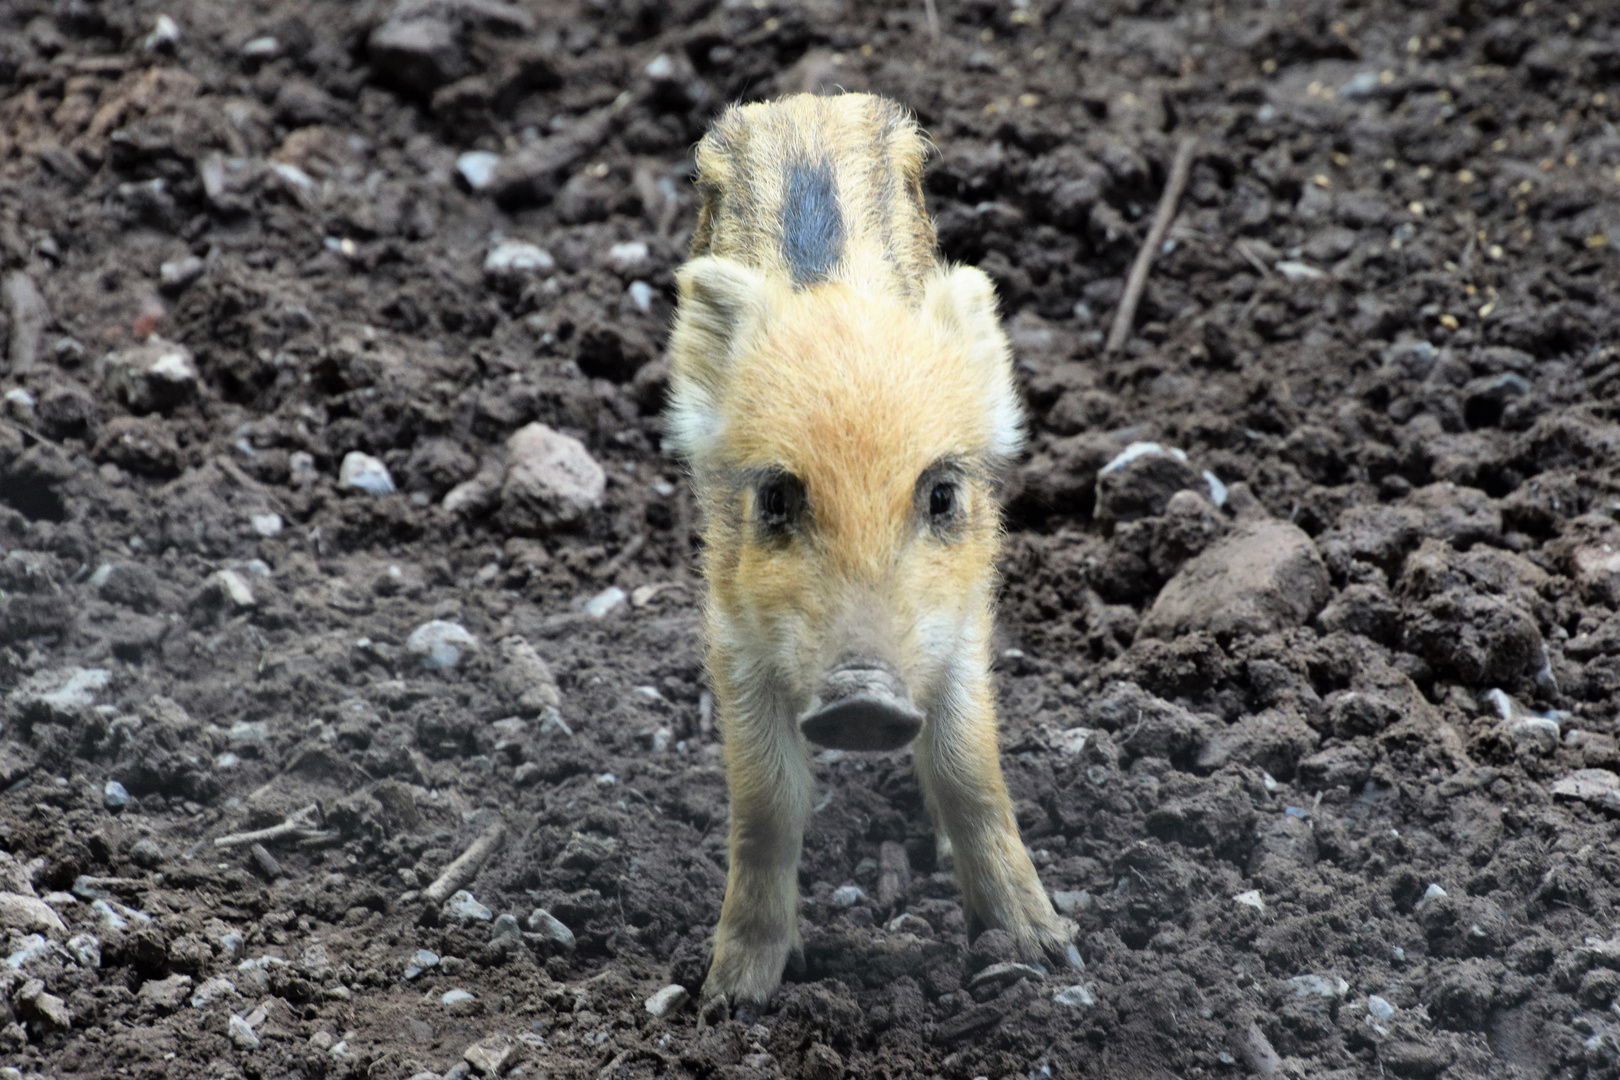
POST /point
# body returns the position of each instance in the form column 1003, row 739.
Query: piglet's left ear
column 961, row 301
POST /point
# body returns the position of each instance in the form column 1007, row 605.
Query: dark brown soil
column 1329, row 821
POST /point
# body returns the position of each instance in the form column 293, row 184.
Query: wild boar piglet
column 845, row 402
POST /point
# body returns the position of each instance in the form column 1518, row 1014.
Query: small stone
column 86, row 949
column 641, row 295
column 1076, row 997
column 211, row 991
column 668, row 1001
column 1298, row 271
column 552, row 482
column 1433, row 892
column 1534, row 735
column 1323, row 986
column 165, row 35
column 176, row 274
column 1071, row 902
column 452, row 998
column 242, row 1035
column 1378, row 1008
column 261, row 48
column 247, row 733
column 165, row 995
column 157, row 375
column 548, row 926
column 229, row 587
column 114, row 796
column 48, row 1007
column 506, row 925
column 525, row 678
column 627, row 254
column 512, row 260
column 146, row 854
column 1251, row 899
column 419, row 963
column 266, row 525
column 29, row 913
column 846, row 896
column 603, row 603
column 1597, row 786
column 491, row 1056
column 463, row 907
column 440, row 644
column 366, row 473
column 477, row 168
column 30, row 947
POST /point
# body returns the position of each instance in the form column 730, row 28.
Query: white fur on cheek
column 694, row 421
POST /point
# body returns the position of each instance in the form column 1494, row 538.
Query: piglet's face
column 845, row 450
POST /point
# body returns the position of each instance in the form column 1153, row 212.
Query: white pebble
column 671, row 999
column 512, row 257
column 603, row 603
column 165, row 32
column 848, row 896
column 440, row 644
column 1251, row 899
column 1433, row 892
column 366, row 473
column 1378, row 1008
column 477, row 167
column 1076, row 997
column 641, row 294
column 627, row 254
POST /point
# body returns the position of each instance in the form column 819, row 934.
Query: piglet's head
column 844, row 445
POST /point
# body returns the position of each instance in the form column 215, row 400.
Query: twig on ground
column 931, row 11
column 624, row 555
column 301, row 825
column 1173, row 185
column 465, row 868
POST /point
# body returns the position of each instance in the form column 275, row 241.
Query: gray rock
column 365, row 473
column 440, row 644
column 422, row 961
column 549, row 927
column 605, row 602
column 668, row 1001
column 490, row 1056
column 506, row 925
column 513, row 260
column 165, row 35
column 1075, row 997
column 452, row 998
column 86, row 949
column 242, row 1034
column 48, row 1007
column 1071, row 903
column 477, row 168
column 157, row 375
column 114, row 796
column 848, row 896
column 463, row 907
column 1262, row 577
column 176, row 274
column 1600, row 787
column 146, row 854
column 1323, row 986
column 211, row 991
column 552, row 482
column 26, row 914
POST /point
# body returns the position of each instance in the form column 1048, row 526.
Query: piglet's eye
column 942, row 500
column 780, row 502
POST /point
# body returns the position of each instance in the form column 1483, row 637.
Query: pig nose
column 861, row 705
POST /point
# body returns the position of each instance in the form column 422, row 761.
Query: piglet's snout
column 862, row 705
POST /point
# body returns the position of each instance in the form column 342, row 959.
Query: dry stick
column 302, row 824
column 1144, row 258
column 464, row 869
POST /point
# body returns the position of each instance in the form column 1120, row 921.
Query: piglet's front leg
column 960, row 772
column 769, row 778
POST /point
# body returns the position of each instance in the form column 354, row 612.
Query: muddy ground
column 1342, row 801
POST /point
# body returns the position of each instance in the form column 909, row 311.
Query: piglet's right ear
column 722, row 304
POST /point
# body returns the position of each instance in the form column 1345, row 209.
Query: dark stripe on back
column 812, row 223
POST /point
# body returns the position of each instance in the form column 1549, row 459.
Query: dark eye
column 942, row 500
column 780, row 499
